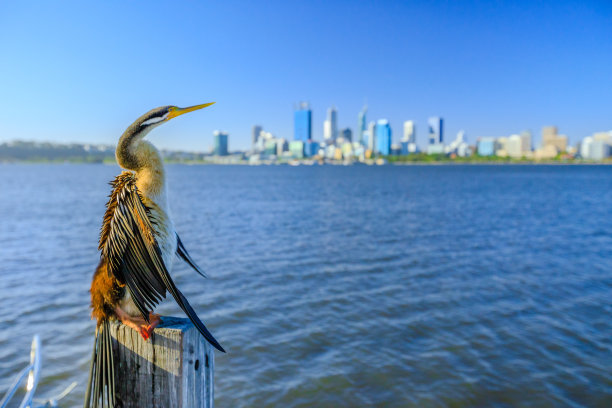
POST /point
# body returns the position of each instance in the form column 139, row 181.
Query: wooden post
column 174, row 368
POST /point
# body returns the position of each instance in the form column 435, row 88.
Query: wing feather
column 182, row 252
column 135, row 259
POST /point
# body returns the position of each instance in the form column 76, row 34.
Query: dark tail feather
column 184, row 304
column 191, row 314
column 101, row 371
column 182, row 252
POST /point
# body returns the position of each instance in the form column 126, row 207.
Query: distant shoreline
column 412, row 163
column 56, row 153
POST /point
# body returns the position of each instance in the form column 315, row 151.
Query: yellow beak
column 174, row 111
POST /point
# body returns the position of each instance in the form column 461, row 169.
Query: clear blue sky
column 83, row 71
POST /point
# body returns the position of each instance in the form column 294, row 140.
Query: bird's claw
column 147, row 330
column 138, row 323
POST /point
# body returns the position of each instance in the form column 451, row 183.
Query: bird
column 138, row 245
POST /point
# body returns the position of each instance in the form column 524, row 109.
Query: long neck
column 134, row 153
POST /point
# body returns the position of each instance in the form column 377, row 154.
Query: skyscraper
column 255, row 134
column 525, row 141
column 327, row 132
column 436, row 130
column 514, row 146
column 330, row 126
column 551, row 138
column 221, row 142
column 372, row 136
column 361, row 125
column 346, row 135
column 409, row 132
column 549, row 134
column 383, row 137
column 302, row 123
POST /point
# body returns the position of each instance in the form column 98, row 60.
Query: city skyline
column 375, row 141
column 70, row 72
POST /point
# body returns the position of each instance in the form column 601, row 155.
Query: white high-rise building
column 372, row 135
column 514, row 146
column 525, row 141
column 458, row 146
column 409, row 132
column 585, row 147
column 327, row 132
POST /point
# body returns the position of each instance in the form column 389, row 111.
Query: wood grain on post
column 174, row 368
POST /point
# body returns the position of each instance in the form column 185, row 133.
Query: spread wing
column 182, row 252
column 128, row 243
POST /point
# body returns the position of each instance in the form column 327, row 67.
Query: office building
column 383, row 137
column 330, row 126
column 371, row 142
column 526, row 141
column 501, row 146
column 457, row 146
column 599, row 150
column 409, row 132
column 311, row 148
column 220, row 143
column 270, row 147
column 361, row 126
column 437, row 148
column 297, row 149
column 281, row 146
column 255, row 131
column 302, row 121
column 436, row 136
column 408, row 148
column 514, row 146
column 486, row 146
column 551, row 138
column 436, row 130
column 346, row 135
column 549, row 133
column 585, row 147
column 605, row 137
column 327, row 132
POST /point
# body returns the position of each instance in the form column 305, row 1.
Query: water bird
column 138, row 245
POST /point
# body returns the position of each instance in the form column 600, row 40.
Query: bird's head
column 157, row 116
column 131, row 152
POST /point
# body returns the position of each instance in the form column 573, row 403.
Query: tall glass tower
column 383, row 137
column 330, row 126
column 302, row 120
column 255, row 134
column 436, row 130
column 221, row 142
column 361, row 125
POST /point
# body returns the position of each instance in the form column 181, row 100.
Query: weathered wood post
column 174, row 368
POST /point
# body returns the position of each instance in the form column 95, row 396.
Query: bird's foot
column 138, row 323
column 155, row 319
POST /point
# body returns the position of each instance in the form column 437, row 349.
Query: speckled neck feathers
column 134, row 153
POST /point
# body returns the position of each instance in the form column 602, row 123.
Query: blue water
column 391, row 286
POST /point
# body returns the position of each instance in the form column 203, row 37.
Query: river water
column 390, row 286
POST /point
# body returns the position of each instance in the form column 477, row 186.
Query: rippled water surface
column 342, row 286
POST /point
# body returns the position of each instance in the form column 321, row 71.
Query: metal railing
column 33, row 373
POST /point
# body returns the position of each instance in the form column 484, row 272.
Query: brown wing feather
column 128, row 245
